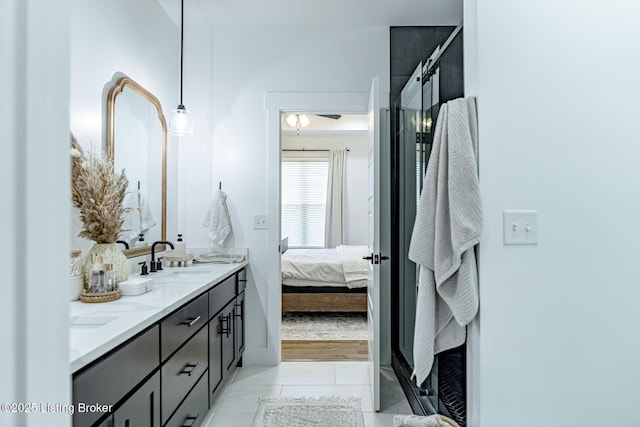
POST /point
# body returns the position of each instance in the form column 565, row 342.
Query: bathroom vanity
column 161, row 358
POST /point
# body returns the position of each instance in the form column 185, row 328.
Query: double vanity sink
column 166, row 353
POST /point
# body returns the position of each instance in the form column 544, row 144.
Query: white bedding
column 302, row 283
column 343, row 265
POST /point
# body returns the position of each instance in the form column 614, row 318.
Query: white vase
column 75, row 287
column 111, row 254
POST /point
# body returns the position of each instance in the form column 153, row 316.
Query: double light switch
column 520, row 227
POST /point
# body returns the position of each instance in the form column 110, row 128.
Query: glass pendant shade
column 181, row 122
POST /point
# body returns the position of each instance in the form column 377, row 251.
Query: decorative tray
column 182, row 260
column 103, row 297
column 178, row 258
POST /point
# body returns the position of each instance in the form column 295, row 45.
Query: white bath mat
column 328, row 411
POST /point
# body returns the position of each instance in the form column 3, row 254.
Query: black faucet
column 153, row 266
column 126, row 245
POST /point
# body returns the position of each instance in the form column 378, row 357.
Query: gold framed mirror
column 136, row 139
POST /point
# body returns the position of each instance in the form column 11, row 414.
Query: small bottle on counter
column 180, row 247
column 98, row 279
column 110, row 275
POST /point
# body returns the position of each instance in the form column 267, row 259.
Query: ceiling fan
column 301, row 120
column 330, row 116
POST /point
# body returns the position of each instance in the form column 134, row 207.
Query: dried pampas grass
column 98, row 191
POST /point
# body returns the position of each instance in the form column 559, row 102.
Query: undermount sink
column 91, row 321
column 187, row 274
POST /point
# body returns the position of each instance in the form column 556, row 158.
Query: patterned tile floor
column 324, row 326
column 238, row 404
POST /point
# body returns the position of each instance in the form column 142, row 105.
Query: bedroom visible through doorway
column 324, row 237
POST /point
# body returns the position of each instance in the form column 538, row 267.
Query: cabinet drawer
column 182, row 324
column 194, row 409
column 221, row 294
column 181, row 372
column 109, row 379
column 242, row 280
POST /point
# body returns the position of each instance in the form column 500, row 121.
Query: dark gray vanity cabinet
column 142, row 408
column 215, row 353
column 168, row 374
column 182, row 324
column 181, row 372
column 109, row 379
column 239, row 314
column 228, row 343
column 226, row 329
column 194, row 408
column 239, row 325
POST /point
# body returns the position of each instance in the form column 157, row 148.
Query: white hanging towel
column 136, row 215
column 447, row 228
column 217, row 220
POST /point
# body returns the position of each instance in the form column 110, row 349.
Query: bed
column 324, row 280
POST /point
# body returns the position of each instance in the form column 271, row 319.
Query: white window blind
column 304, row 197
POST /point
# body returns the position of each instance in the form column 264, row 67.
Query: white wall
column 558, row 328
column 247, row 63
column 356, row 178
column 34, row 177
column 136, row 39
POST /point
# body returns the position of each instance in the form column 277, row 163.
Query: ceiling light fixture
column 297, row 121
column 181, row 121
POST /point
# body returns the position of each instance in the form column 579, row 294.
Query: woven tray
column 104, row 297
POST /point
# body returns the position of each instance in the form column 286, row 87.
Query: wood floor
column 323, row 350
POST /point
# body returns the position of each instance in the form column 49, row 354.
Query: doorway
column 323, row 209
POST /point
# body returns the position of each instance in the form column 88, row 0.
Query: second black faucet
column 154, row 267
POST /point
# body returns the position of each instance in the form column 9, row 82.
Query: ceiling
column 318, row 125
column 324, row 13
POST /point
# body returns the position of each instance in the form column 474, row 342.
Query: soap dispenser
column 180, row 247
column 140, row 242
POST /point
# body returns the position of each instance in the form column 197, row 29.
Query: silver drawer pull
column 189, row 368
column 191, row 322
column 192, row 419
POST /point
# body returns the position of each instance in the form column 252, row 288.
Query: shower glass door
column 418, row 109
column 410, row 179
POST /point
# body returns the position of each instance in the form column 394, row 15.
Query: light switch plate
column 520, row 227
column 260, row 222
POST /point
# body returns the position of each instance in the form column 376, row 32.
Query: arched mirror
column 137, row 141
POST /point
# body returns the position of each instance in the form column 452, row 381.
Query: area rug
column 324, row 326
column 330, row 411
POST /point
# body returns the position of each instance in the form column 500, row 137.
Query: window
column 304, row 197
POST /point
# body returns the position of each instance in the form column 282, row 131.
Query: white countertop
column 90, row 337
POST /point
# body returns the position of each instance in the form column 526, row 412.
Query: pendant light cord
column 181, row 45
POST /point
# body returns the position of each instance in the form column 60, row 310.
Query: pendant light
column 181, row 121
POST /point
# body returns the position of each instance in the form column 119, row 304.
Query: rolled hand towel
column 418, row 421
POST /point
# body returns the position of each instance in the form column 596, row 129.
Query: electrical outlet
column 260, row 222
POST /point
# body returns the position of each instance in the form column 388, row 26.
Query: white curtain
column 335, row 225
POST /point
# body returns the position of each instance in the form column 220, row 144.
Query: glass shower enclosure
column 416, row 113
